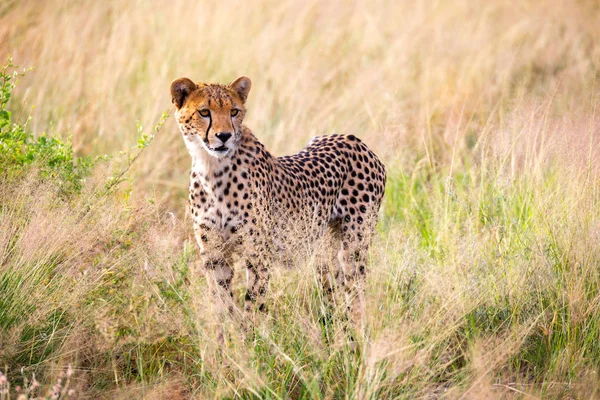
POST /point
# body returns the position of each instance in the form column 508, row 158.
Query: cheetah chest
column 220, row 199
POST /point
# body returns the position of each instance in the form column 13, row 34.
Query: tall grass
column 483, row 280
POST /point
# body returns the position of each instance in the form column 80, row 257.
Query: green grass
column 475, row 279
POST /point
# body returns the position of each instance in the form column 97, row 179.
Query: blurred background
column 483, row 279
column 417, row 80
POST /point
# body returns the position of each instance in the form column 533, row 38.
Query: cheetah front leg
column 257, row 249
column 217, row 271
column 257, row 283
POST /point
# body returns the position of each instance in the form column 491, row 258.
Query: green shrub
column 21, row 151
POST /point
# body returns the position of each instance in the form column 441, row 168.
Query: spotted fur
column 242, row 198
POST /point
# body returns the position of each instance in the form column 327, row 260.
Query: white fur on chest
column 219, row 194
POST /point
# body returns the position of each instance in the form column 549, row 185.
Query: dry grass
column 404, row 76
column 483, row 280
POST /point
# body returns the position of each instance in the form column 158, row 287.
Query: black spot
column 224, row 283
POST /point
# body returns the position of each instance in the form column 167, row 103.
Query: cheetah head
column 210, row 115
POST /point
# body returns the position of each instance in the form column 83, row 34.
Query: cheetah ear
column 242, row 87
column 180, row 90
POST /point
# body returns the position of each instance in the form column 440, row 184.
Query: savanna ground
column 483, row 280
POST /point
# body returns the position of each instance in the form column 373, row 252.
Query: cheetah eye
column 234, row 112
column 204, row 113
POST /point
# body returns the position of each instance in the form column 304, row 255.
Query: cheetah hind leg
column 328, row 301
column 352, row 257
column 328, row 271
column 353, row 270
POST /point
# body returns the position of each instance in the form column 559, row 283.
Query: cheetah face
column 210, row 115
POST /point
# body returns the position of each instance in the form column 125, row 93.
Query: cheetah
column 241, row 197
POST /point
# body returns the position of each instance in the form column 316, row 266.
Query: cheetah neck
column 205, row 164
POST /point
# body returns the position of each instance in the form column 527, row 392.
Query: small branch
column 144, row 141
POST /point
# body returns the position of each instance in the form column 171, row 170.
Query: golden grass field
column 483, row 280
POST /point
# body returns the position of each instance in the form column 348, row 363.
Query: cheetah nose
column 223, row 136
